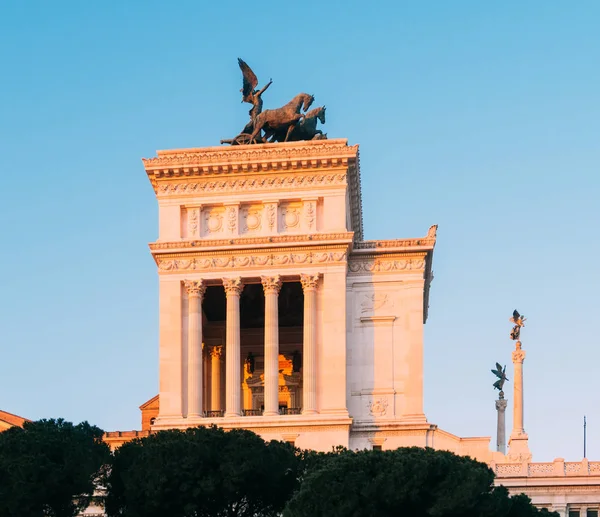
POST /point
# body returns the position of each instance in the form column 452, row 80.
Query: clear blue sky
column 481, row 117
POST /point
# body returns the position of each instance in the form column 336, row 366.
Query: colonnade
column 233, row 382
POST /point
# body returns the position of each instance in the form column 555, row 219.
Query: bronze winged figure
column 501, row 374
column 519, row 322
column 250, row 94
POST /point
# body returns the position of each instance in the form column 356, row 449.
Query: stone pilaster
column 309, row 364
column 501, row 428
column 195, row 290
column 271, row 286
column 216, row 352
column 233, row 290
column 518, row 445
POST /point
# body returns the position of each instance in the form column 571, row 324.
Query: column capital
column 309, row 282
column 216, row 351
column 271, row 284
column 501, row 405
column 195, row 287
column 233, row 286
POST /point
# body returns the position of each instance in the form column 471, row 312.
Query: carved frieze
column 359, row 265
column 246, row 184
column 208, row 263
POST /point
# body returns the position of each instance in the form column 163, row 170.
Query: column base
column 270, row 413
column 310, row 412
column 232, row 415
column 518, row 447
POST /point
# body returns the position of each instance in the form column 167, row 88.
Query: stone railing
column 556, row 468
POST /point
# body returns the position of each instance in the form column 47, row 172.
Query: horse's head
column 307, row 101
column 321, row 115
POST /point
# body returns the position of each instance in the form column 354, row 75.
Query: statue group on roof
column 289, row 123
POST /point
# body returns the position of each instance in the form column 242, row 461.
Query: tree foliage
column 202, row 472
column 411, row 482
column 49, row 468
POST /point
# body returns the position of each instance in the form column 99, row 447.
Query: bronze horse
column 281, row 119
column 306, row 129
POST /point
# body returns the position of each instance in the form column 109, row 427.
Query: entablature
column 258, row 178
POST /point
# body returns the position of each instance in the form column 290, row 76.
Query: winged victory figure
column 501, row 374
column 250, row 94
column 519, row 322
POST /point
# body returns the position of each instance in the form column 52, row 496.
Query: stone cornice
column 252, row 242
column 230, row 260
column 424, row 243
column 249, row 158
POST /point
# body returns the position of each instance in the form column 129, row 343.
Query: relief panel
column 290, row 215
column 214, row 222
column 251, row 217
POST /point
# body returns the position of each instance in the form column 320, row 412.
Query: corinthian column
column 271, row 285
column 309, row 363
column 215, row 389
column 233, row 290
column 195, row 290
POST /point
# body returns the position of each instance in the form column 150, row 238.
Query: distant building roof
column 9, row 420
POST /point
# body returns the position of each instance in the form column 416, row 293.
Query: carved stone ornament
column 251, row 241
column 372, row 302
column 239, row 261
column 310, row 214
column 271, row 284
column 309, row 282
column 272, row 216
column 193, row 222
column 378, row 407
column 233, row 286
column 518, row 356
column 385, row 265
column 232, row 219
column 246, row 184
column 216, row 351
column 194, row 287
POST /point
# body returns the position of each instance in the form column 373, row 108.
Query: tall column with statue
column 518, row 445
column 500, row 408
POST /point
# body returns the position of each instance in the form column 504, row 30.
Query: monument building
column 277, row 316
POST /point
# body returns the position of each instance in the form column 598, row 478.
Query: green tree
column 411, row 482
column 202, row 472
column 49, row 468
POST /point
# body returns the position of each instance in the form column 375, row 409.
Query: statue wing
column 516, row 315
column 250, row 79
column 497, row 373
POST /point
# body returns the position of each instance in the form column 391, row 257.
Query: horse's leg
column 289, row 131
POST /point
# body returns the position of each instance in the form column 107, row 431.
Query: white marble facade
column 247, row 225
